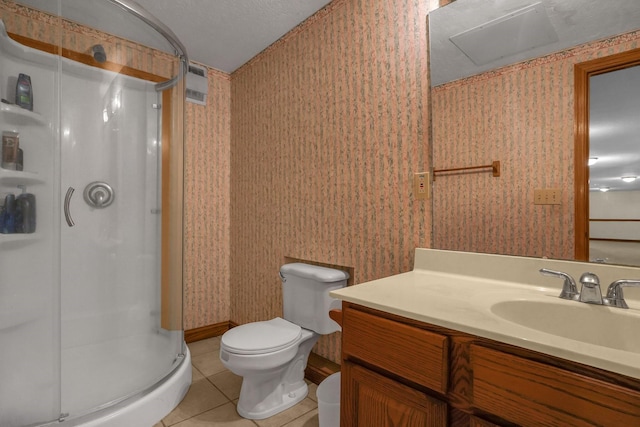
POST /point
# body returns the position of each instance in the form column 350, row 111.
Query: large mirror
column 518, row 106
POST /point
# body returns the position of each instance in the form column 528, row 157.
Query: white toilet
column 271, row 356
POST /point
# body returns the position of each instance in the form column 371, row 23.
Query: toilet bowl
column 271, row 356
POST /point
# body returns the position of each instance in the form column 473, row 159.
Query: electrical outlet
column 421, row 185
column 547, row 196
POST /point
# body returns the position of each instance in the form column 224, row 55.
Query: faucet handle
column 569, row 288
column 615, row 297
column 590, row 292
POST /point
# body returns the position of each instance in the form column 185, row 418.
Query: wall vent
column 197, row 85
column 517, row 32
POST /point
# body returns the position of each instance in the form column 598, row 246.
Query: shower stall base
column 145, row 408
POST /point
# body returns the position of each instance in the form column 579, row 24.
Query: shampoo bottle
column 9, row 216
column 24, row 92
column 26, row 213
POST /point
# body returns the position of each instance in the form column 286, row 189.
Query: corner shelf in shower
column 10, row 178
column 17, row 239
column 19, row 116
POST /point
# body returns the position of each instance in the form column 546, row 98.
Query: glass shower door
column 111, row 333
column 29, row 269
column 88, row 318
column 114, row 343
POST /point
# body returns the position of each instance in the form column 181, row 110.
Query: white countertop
column 457, row 290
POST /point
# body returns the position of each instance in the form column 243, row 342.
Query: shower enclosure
column 91, row 219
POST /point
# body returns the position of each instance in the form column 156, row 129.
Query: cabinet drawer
column 404, row 350
column 531, row 393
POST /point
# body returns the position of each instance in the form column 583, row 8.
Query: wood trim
column 172, row 216
column 581, row 155
column 582, row 72
column 612, row 220
column 336, row 316
column 86, row 59
column 319, row 368
column 165, row 226
column 205, row 332
column 601, row 239
column 35, row 44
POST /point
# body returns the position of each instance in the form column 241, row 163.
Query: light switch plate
column 547, row 196
column 421, row 185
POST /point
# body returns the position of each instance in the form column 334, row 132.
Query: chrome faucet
column 590, row 292
column 569, row 288
column 615, row 297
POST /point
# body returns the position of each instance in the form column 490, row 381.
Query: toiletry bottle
column 26, row 213
column 24, row 92
column 2, row 215
column 10, row 146
column 20, row 160
column 9, row 217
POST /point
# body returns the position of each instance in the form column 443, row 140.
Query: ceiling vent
column 517, row 32
column 197, row 85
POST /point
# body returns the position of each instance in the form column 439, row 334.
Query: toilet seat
column 261, row 337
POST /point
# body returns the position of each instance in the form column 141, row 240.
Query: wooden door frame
column 582, row 72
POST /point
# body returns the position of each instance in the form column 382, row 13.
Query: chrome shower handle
column 67, row 202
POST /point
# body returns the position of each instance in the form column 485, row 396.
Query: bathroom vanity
column 490, row 345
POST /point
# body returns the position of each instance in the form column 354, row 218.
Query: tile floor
column 211, row 400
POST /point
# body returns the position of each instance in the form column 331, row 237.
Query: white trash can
column 329, row 401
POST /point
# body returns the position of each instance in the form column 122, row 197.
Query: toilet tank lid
column 315, row 272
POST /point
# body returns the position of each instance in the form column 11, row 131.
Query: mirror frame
column 582, row 72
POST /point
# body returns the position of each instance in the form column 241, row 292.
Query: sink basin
column 593, row 324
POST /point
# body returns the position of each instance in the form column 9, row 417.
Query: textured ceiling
column 225, row 34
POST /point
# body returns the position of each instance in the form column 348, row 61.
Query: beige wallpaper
column 207, row 206
column 522, row 115
column 327, row 127
column 307, row 153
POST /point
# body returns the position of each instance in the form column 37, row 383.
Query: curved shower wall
column 90, row 315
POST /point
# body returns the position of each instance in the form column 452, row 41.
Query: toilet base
column 266, row 393
column 288, row 400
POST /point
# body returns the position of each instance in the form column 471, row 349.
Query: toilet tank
column 305, row 295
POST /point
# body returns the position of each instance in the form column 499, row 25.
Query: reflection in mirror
column 468, row 37
column 523, row 116
column 612, row 87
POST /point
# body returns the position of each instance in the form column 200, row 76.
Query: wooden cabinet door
column 372, row 400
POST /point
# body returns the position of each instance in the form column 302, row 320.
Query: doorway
column 606, row 230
